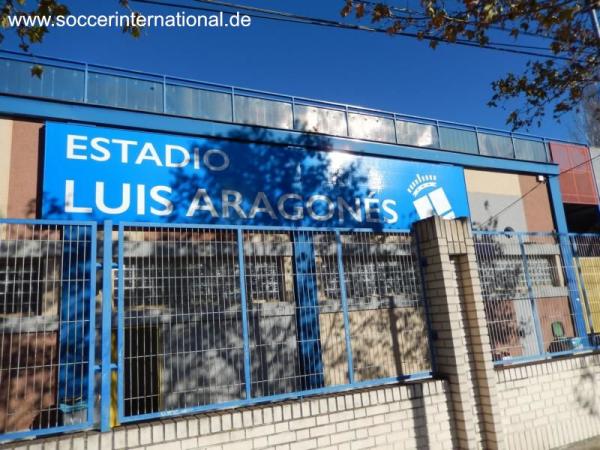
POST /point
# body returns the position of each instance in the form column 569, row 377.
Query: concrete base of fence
column 541, row 406
column 411, row 416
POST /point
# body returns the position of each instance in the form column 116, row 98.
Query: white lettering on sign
column 101, row 149
column 290, row 206
column 103, row 198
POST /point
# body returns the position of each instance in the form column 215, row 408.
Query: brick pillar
column 461, row 345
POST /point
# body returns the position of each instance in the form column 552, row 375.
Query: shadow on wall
column 275, row 170
column 183, row 342
column 586, row 390
column 388, row 342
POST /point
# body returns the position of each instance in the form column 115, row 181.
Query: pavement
column 588, row 444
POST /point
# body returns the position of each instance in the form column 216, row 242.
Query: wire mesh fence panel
column 182, row 338
column 528, row 297
column 296, row 328
column 47, row 285
column 586, row 253
column 185, row 343
column 548, row 265
column 388, row 324
column 508, row 306
column 332, row 329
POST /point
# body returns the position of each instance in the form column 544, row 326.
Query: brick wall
column 411, row 416
column 550, row 404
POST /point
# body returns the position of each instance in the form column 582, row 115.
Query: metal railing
column 533, row 296
column 200, row 317
column 72, row 81
column 197, row 317
column 211, row 317
column 47, row 321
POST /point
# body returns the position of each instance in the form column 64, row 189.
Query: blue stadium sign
column 104, row 173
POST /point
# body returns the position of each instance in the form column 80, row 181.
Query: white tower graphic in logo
column 429, row 198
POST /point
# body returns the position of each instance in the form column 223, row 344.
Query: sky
column 399, row 74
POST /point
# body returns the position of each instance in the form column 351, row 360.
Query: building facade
column 190, row 265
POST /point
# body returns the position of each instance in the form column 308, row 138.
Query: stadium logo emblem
column 429, row 198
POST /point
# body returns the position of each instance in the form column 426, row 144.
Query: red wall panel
column 578, row 184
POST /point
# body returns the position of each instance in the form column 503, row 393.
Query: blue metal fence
column 72, row 81
column 208, row 317
column 47, row 326
column 205, row 317
column 533, row 297
column 213, row 316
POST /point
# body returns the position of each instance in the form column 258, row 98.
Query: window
column 266, row 281
column 21, row 286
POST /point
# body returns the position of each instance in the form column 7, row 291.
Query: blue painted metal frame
column 249, row 400
column 256, row 227
column 417, row 376
column 521, row 360
column 88, row 423
column 92, row 318
column 106, row 366
column 345, row 312
column 244, row 301
column 561, row 226
column 307, row 307
column 120, row 328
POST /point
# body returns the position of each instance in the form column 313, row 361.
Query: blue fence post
column 120, row 327
column 92, row 324
column 561, row 227
column 346, row 314
column 244, row 302
column 307, row 319
column 106, row 342
column 534, row 311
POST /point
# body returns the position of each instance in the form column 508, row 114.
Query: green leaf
column 37, row 71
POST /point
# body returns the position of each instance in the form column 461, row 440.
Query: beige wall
column 24, row 176
column 20, row 154
column 550, row 404
column 499, row 200
column 386, row 343
column 6, row 127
